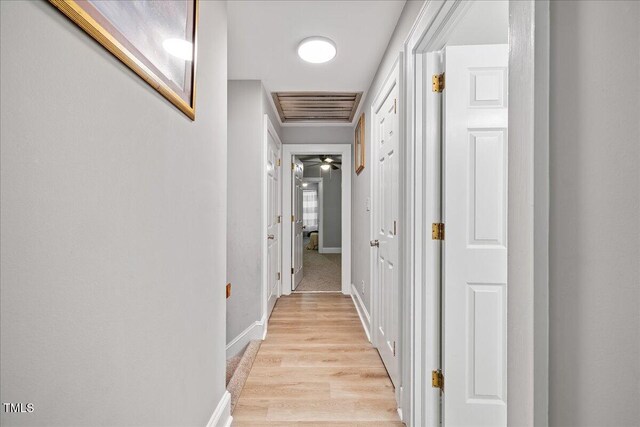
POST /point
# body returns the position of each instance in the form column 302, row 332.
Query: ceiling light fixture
column 179, row 48
column 317, row 49
column 325, row 167
column 328, row 159
column 304, row 184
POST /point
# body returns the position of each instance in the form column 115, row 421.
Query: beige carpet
column 321, row 272
column 238, row 368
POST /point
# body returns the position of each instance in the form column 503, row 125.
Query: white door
column 298, row 232
column 475, row 240
column 273, row 219
column 385, row 220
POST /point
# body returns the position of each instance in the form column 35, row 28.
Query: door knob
column 374, row 243
column 271, row 236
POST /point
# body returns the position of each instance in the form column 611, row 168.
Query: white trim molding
column 288, row 152
column 256, row 331
column 221, row 416
column 324, row 250
column 362, row 311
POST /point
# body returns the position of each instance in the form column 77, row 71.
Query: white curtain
column 310, row 208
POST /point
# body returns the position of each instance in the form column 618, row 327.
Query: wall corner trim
column 222, row 415
column 256, row 331
column 363, row 314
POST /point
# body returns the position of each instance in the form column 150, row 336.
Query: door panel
column 298, row 232
column 475, row 251
column 273, row 225
column 385, row 219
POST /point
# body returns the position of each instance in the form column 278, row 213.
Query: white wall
column 247, row 104
column 361, row 220
column 594, row 242
column 113, row 214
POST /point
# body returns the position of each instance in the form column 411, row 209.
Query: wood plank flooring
column 317, row 368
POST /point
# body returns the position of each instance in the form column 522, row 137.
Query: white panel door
column 475, row 245
column 385, row 220
column 273, row 223
column 298, row 232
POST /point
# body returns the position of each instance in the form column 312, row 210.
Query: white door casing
column 273, row 214
column 289, row 153
column 297, row 222
column 385, row 220
column 475, row 245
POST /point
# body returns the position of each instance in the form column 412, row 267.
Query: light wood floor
column 316, row 367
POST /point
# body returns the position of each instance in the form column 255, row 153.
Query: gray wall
column 594, row 243
column 331, row 204
column 485, row 22
column 244, row 228
column 247, row 105
column 361, row 184
column 317, row 134
column 113, row 213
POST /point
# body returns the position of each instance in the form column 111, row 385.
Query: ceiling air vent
column 318, row 107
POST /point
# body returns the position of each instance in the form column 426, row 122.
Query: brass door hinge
column 278, row 162
column 437, row 82
column 395, row 228
column 292, row 270
column 437, row 231
column 277, row 276
column 395, row 106
column 293, row 218
column 394, row 348
column 278, row 219
column 293, row 166
column 437, row 379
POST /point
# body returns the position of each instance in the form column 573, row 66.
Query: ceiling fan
column 327, row 162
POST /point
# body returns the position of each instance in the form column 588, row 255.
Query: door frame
column 288, row 151
column 378, row 100
column 528, row 212
column 320, row 189
column 268, row 128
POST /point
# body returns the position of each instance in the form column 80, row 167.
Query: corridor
column 316, row 365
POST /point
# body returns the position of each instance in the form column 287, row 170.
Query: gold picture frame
column 94, row 22
column 359, row 145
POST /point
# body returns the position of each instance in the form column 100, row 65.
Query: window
column 310, row 209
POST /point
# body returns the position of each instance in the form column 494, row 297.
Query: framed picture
column 156, row 39
column 358, row 146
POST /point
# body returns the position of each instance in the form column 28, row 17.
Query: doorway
column 318, row 205
column 458, row 130
column 317, row 244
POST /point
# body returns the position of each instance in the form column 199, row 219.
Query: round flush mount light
column 179, row 48
column 317, row 50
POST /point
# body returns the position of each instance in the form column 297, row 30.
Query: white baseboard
column 256, row 331
column 222, row 415
column 330, row 250
column 362, row 311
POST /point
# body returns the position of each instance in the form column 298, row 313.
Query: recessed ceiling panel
column 317, row 107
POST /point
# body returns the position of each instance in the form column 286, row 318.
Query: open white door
column 273, row 236
column 297, row 209
column 475, row 243
column 385, row 225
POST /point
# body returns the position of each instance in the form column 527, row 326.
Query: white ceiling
column 264, row 36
